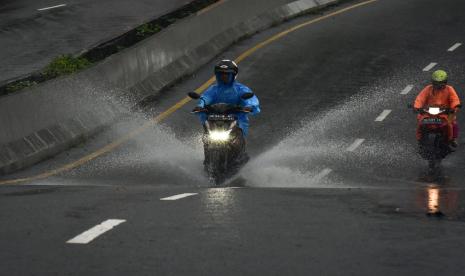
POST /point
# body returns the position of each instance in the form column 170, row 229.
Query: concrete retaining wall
column 40, row 122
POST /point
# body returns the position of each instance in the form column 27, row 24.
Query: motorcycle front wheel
column 216, row 166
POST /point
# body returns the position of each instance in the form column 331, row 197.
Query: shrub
column 15, row 86
column 64, row 65
column 147, row 29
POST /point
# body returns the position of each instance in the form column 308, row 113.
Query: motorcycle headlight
column 434, row 110
column 220, row 136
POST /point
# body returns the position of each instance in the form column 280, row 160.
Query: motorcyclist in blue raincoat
column 228, row 90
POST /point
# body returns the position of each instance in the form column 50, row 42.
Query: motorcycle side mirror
column 193, row 95
column 247, row 96
column 409, row 105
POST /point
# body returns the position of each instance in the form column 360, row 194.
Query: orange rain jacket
column 445, row 98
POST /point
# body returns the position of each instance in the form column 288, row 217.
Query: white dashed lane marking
column 383, row 115
column 176, row 197
column 52, row 7
column 96, row 231
column 430, row 66
column 355, row 145
column 407, row 89
column 454, row 47
column 322, row 175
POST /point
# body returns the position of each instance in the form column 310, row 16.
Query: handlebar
column 424, row 110
column 199, row 110
column 232, row 110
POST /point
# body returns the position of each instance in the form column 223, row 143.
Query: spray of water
column 155, row 157
column 159, row 157
column 321, row 143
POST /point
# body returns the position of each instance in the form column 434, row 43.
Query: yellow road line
column 210, row 7
column 295, row 28
column 175, row 107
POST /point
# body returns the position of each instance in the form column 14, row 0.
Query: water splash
column 155, row 157
column 321, row 143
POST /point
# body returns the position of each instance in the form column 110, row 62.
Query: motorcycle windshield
column 221, row 108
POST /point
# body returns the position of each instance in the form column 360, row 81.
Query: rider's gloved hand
column 247, row 109
column 197, row 109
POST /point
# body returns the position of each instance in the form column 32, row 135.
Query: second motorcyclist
column 440, row 94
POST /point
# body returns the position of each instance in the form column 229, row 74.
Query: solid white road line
column 322, row 175
column 383, row 115
column 52, row 7
column 407, row 89
column 430, row 66
column 453, row 48
column 96, row 231
column 176, row 197
column 355, row 145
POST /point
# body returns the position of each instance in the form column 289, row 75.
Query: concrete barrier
column 42, row 121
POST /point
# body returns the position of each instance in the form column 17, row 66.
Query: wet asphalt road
column 30, row 38
column 309, row 206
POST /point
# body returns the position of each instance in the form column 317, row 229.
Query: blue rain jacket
column 231, row 94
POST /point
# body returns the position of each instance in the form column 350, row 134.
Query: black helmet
column 227, row 66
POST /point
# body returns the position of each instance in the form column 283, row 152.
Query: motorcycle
column 224, row 143
column 434, row 143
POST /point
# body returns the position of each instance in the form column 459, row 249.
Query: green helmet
column 439, row 76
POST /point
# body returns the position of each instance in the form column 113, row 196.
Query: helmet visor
column 225, row 71
column 225, row 77
column 439, row 84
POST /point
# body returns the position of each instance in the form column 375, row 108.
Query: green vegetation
column 147, row 29
column 19, row 85
column 62, row 65
column 65, row 65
